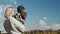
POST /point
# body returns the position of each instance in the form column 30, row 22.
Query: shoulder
column 17, row 14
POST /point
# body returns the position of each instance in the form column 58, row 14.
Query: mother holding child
column 14, row 23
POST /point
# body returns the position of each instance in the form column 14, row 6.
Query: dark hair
column 21, row 7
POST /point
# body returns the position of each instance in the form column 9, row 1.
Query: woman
column 11, row 25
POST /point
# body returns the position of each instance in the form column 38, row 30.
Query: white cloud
column 43, row 25
column 45, row 18
column 0, row 16
column 3, row 7
column 14, row 1
column 6, row 6
column 55, row 26
column 0, row 9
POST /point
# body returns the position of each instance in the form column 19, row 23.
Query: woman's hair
column 9, row 12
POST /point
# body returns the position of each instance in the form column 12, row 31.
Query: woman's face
column 10, row 11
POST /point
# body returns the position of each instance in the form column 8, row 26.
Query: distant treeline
column 42, row 32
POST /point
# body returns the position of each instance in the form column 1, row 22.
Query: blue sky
column 40, row 13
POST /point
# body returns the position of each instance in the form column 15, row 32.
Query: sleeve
column 19, row 25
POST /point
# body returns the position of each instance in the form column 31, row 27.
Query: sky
column 41, row 14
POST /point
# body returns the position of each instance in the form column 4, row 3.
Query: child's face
column 21, row 9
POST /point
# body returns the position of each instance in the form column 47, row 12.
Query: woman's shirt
column 13, row 26
column 17, row 24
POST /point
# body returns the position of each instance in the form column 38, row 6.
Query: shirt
column 20, row 18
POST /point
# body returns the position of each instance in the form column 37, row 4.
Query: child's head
column 20, row 8
column 9, row 12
